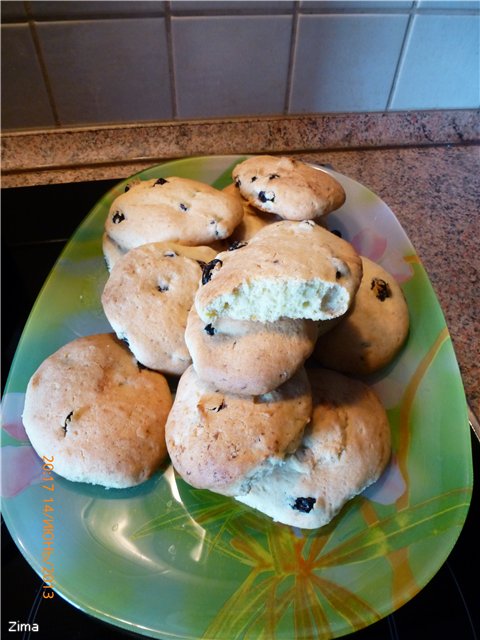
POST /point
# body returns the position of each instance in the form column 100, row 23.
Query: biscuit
column 253, row 219
column 111, row 251
column 171, row 209
column 288, row 187
column 147, row 298
column 373, row 330
column 101, row 418
column 222, row 441
column 288, row 269
column 248, row 358
column 344, row 450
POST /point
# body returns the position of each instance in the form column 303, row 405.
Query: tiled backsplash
column 84, row 63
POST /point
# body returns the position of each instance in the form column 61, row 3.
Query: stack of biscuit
column 237, row 328
column 249, row 419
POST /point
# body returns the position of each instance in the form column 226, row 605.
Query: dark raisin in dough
column 207, row 269
column 210, row 329
column 236, row 244
column 262, row 196
column 67, row 421
column 304, row 504
column 118, row 217
column 381, row 289
column 160, row 181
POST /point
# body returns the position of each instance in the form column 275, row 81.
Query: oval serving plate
column 169, row 561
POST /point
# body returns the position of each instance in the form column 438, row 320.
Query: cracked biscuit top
column 222, row 441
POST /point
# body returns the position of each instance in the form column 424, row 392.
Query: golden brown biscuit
column 344, row 450
column 97, row 414
column 288, row 187
column 288, row 269
column 222, row 441
column 171, row 210
column 248, row 358
column 373, row 330
column 147, row 299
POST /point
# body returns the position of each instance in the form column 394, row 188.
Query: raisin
column 237, row 183
column 210, row 329
column 221, row 406
column 127, row 188
column 272, row 176
column 304, row 504
column 253, row 178
column 266, row 196
column 169, row 254
column 338, row 275
column 162, row 287
column 67, row 421
column 381, row 289
column 160, row 181
column 236, row 244
column 118, row 217
column 207, row 269
column 183, row 207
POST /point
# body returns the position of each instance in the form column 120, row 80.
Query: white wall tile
column 231, row 6
column 80, row 9
column 354, row 5
column 13, row 11
column 345, row 62
column 108, row 70
column 24, row 96
column 441, row 65
column 446, row 5
column 227, row 66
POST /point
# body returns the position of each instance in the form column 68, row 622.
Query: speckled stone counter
column 117, row 151
column 424, row 165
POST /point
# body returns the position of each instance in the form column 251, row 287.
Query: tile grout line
column 401, row 57
column 41, row 62
column 170, row 60
column 291, row 59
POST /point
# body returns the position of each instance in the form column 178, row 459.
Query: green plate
column 169, row 561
